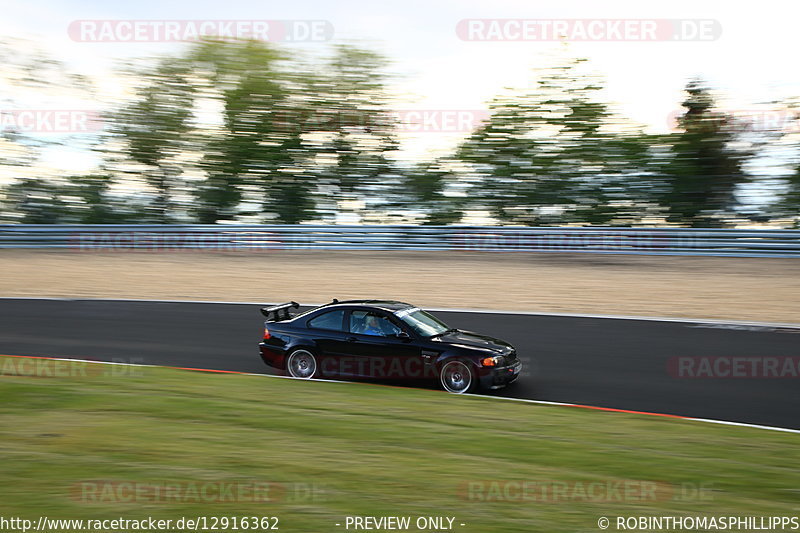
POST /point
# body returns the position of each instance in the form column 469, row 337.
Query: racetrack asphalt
column 621, row 364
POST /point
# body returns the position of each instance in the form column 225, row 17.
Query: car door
column 378, row 351
column 328, row 332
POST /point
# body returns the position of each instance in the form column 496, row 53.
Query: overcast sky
column 751, row 61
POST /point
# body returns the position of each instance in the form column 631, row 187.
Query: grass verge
column 98, row 443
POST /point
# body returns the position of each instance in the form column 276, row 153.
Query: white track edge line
column 661, row 415
column 523, row 400
column 702, row 321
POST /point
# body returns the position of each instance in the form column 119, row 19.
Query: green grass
column 369, row 450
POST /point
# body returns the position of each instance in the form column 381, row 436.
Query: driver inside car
column 373, row 327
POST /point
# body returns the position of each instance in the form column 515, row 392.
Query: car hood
column 469, row 339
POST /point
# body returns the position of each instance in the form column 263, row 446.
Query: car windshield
column 421, row 322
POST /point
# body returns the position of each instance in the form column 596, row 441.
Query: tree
column 555, row 154
column 425, row 187
column 788, row 203
column 350, row 132
column 91, row 203
column 288, row 140
column 82, row 199
column 33, row 191
column 36, row 201
column 259, row 144
column 154, row 129
column 704, row 167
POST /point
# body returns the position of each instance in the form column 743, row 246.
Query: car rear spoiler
column 273, row 313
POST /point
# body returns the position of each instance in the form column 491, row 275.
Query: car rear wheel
column 457, row 377
column 301, row 364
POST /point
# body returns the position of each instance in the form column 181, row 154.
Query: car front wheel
column 457, row 377
column 301, row 364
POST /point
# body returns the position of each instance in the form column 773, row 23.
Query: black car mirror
column 403, row 336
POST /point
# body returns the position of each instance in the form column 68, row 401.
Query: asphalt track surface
column 621, row 364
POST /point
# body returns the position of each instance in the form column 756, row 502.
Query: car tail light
column 266, row 334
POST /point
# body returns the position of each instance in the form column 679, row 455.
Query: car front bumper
column 501, row 376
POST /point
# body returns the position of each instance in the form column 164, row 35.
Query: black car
column 383, row 339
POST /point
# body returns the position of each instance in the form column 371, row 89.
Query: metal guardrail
column 667, row 241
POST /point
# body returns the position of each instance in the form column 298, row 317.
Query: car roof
column 386, row 305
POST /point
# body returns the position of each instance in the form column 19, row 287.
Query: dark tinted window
column 330, row 320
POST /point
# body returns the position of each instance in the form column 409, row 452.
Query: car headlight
column 496, row 360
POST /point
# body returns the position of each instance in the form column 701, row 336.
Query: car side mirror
column 403, row 336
